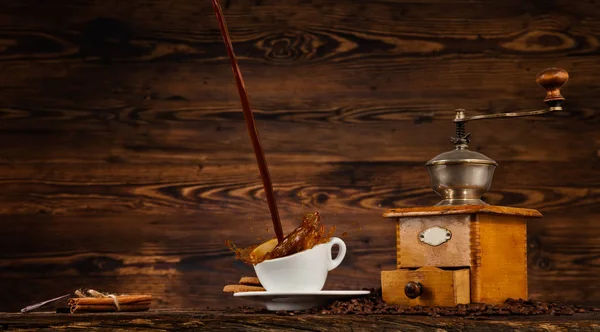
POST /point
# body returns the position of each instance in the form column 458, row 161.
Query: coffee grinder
column 463, row 250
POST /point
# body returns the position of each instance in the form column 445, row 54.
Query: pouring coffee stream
column 310, row 232
column 249, row 118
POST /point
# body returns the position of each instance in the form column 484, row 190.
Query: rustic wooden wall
column 125, row 163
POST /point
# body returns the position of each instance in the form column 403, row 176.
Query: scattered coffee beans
column 373, row 304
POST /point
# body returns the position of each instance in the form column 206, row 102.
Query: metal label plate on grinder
column 435, row 236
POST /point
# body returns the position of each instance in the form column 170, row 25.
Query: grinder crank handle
column 552, row 79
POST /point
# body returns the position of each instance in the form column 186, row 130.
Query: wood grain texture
column 125, row 165
column 459, row 209
column 186, row 320
column 499, row 268
column 454, row 253
column 72, row 189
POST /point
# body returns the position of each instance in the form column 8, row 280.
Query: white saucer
column 290, row 301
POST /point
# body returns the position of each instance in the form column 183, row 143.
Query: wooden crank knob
column 552, row 79
column 413, row 289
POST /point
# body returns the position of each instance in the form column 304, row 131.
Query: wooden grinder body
column 484, row 259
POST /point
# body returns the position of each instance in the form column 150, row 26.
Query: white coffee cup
column 305, row 271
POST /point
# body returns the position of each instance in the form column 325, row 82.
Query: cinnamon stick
column 258, row 150
column 110, row 308
column 122, row 299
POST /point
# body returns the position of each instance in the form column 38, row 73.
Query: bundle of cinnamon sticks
column 99, row 302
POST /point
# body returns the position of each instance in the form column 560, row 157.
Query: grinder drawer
column 427, row 286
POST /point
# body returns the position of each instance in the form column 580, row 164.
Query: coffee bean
column 477, row 306
column 567, row 311
column 515, row 310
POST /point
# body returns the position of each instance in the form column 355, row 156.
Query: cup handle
column 333, row 263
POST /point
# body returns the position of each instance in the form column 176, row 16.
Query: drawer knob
column 412, row 289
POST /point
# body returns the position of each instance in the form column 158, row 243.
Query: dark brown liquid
column 309, row 234
column 258, row 151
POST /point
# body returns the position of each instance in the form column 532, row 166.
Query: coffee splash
column 309, row 234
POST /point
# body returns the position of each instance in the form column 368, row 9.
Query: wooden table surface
column 185, row 320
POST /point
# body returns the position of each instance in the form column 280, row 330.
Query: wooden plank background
column 125, row 163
